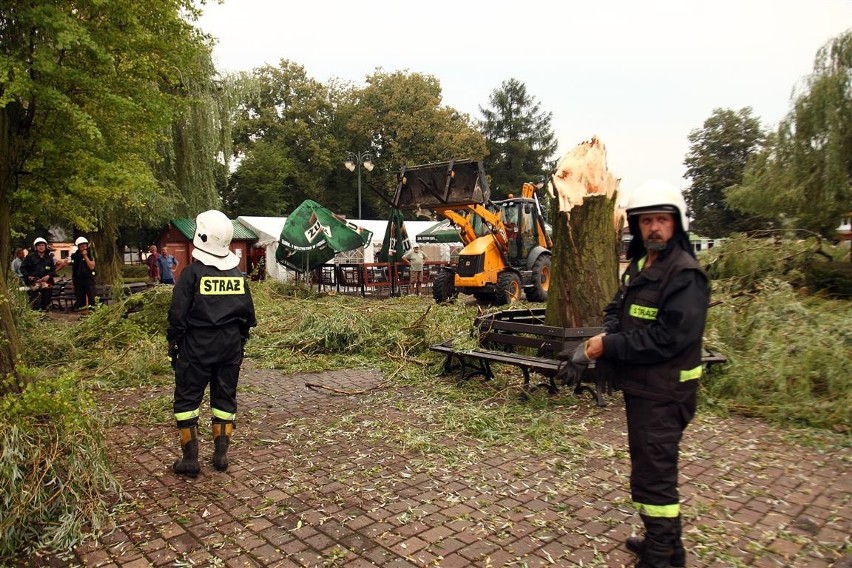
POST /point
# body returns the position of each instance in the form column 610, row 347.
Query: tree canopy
column 282, row 141
column 88, row 94
column 400, row 118
column 293, row 134
column 718, row 155
column 803, row 178
column 519, row 138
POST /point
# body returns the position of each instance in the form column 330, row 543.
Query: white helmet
column 39, row 240
column 81, row 241
column 212, row 240
column 656, row 196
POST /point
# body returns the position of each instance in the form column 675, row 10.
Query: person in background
column 210, row 316
column 415, row 260
column 17, row 261
column 168, row 263
column 653, row 337
column 83, row 275
column 38, row 270
column 153, row 265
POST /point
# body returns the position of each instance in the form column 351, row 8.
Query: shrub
column 834, row 279
column 51, row 489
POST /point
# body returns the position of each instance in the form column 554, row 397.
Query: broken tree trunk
column 586, row 235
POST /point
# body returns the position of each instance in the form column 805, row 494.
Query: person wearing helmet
column 652, row 336
column 83, row 275
column 38, row 270
column 210, row 316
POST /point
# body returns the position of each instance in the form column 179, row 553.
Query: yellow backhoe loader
column 507, row 249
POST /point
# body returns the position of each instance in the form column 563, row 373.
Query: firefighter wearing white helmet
column 83, row 275
column 652, row 338
column 38, row 270
column 210, row 317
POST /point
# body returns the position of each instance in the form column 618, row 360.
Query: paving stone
column 295, row 496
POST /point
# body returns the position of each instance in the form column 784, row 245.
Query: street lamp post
column 356, row 160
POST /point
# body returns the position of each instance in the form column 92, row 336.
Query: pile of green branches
column 788, row 346
column 304, row 331
column 56, row 485
column 53, row 467
column 787, row 350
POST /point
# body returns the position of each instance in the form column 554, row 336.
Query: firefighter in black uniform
column 209, row 321
column 653, row 333
column 83, row 275
column 38, row 270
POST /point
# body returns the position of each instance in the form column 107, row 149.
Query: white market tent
column 268, row 231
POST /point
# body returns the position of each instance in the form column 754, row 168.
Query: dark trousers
column 207, row 356
column 84, row 293
column 654, row 431
column 40, row 299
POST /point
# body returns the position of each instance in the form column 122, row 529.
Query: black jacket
column 206, row 297
column 80, row 271
column 655, row 326
column 35, row 267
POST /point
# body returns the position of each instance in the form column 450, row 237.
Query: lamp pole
column 358, row 160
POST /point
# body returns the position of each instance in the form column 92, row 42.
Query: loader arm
column 463, row 222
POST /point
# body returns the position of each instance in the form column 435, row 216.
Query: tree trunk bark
column 586, row 233
column 10, row 343
column 107, row 268
column 585, row 264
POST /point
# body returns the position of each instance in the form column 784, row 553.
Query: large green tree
column 519, row 137
column 718, row 155
column 282, row 141
column 87, row 91
column 803, row 178
column 400, row 118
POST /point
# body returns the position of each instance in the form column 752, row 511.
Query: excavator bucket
column 442, row 185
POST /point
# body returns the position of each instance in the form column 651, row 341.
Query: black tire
column 541, row 279
column 508, row 288
column 444, row 286
column 486, row 297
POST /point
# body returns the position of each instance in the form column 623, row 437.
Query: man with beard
column 652, row 337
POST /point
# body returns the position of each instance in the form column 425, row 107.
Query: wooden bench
column 62, row 296
column 521, row 339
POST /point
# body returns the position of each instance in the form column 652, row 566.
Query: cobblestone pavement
column 316, row 480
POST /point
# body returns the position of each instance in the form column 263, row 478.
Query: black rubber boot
column 188, row 465
column 636, row 545
column 654, row 555
column 665, row 533
column 221, row 440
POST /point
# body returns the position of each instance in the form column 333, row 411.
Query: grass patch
column 787, row 351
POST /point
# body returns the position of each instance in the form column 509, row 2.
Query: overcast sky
column 639, row 74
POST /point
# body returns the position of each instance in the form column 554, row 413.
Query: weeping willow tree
column 586, row 233
column 188, row 167
column 804, row 177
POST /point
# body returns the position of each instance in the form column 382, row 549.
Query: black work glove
column 173, row 353
column 574, row 362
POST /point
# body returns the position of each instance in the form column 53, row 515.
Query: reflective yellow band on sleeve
column 189, row 415
column 691, row 374
column 664, row 511
column 643, row 312
column 222, row 415
column 222, row 285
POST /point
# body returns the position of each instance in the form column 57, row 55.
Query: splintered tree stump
column 586, row 235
